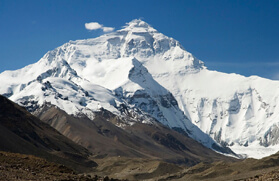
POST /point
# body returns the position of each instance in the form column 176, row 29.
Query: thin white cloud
column 107, row 29
column 95, row 26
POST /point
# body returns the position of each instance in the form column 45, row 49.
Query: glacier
column 156, row 79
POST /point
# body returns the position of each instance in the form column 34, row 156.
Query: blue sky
column 234, row 36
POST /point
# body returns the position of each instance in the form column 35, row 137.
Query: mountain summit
column 139, row 73
column 138, row 23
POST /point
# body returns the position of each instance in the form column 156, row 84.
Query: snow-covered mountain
column 143, row 73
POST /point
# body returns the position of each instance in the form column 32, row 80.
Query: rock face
column 140, row 140
column 140, row 72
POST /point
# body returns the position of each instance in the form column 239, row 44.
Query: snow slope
column 56, row 83
column 154, row 76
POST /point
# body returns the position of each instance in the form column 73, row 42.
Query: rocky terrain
column 21, row 132
column 15, row 166
column 151, row 141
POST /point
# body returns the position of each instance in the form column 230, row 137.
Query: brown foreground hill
column 146, row 141
column 249, row 169
column 21, row 132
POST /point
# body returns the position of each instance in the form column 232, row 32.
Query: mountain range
column 142, row 152
column 139, row 77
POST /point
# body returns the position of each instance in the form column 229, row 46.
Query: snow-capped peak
column 138, row 25
column 148, row 71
